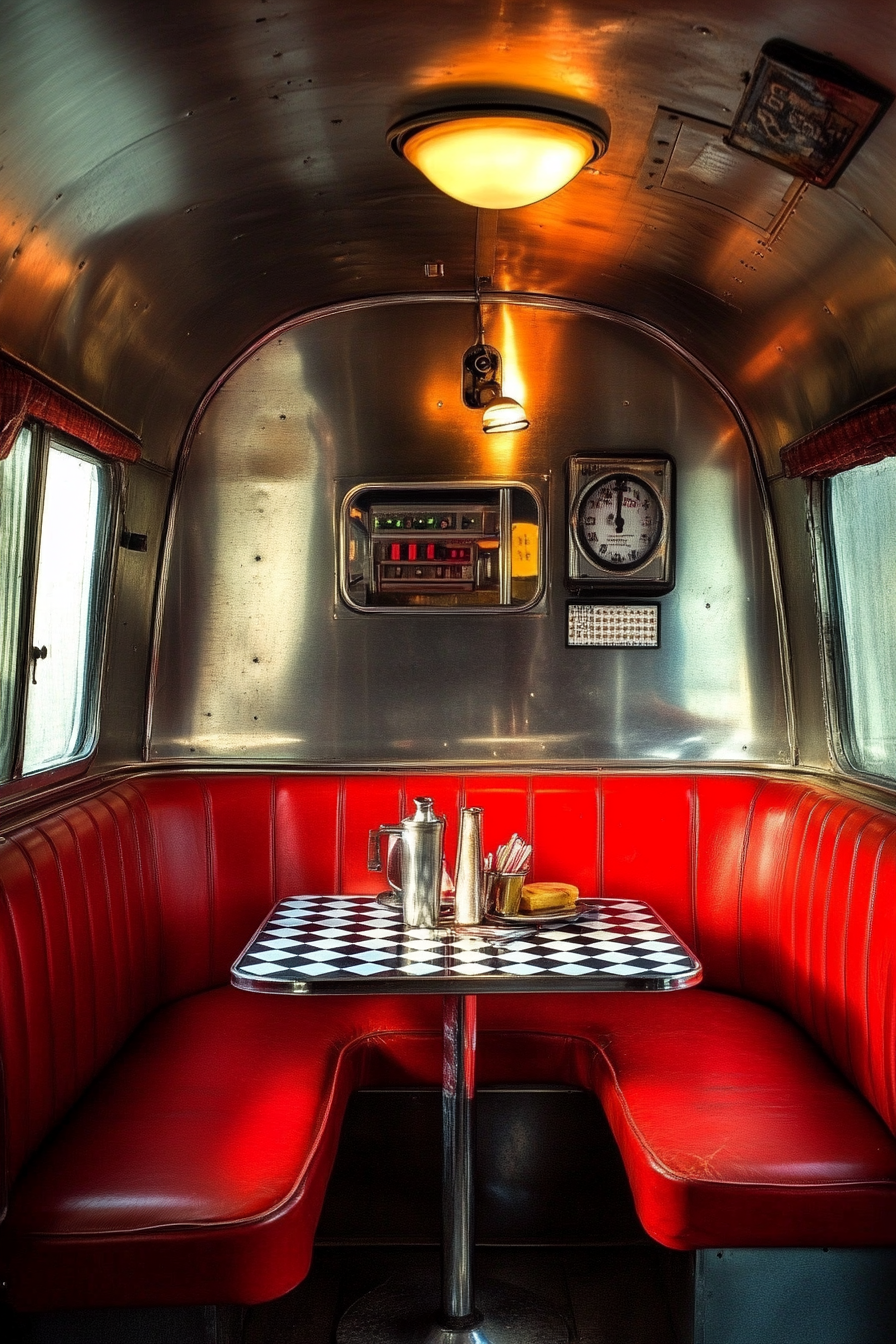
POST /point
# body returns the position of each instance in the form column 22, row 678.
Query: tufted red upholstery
column 734, row 1128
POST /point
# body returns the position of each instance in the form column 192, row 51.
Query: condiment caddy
column 487, row 889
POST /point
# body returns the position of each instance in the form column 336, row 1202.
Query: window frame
column 44, row 436
column 838, row 699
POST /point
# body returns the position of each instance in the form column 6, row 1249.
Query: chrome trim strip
column 18, row 811
column 821, row 583
column 506, row 526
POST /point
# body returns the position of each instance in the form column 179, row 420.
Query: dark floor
column 607, row 1295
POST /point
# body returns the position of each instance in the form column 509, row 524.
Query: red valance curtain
column 856, row 440
column 23, row 397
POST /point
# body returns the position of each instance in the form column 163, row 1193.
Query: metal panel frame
column 503, row 605
column 44, row 435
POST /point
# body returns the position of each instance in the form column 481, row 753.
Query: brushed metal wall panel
column 260, row 661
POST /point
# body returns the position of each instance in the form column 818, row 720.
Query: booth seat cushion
column 734, row 1128
column 195, row 1166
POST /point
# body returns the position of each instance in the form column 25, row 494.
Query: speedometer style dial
column 619, row 521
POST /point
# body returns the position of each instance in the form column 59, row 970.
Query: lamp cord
column 480, row 323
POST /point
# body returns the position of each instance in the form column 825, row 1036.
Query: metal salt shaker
column 468, row 880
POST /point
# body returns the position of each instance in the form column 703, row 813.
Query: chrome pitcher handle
column 374, row 852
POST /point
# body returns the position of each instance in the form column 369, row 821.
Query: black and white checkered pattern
column 337, row 944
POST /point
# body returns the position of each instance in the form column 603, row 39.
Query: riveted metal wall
column 259, row 660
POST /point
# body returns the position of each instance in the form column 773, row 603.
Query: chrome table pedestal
column 402, row 1311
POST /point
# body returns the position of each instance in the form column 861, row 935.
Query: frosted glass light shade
column 504, row 416
column 499, row 160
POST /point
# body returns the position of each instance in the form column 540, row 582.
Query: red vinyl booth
column 168, row 1138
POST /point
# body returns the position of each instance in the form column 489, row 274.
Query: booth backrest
column 146, row 891
column 786, row 891
column 81, row 957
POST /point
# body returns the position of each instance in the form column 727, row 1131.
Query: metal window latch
column 133, row 541
column 36, row 653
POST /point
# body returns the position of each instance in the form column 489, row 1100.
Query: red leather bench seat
column 194, row 1168
column 734, row 1129
column 169, row 1140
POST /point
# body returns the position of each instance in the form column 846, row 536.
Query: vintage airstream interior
column 322, row 489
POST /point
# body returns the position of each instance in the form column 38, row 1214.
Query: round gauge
column 619, row 521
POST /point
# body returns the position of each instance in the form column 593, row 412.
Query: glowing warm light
column 513, row 384
column 524, row 550
column 499, row 161
column 504, row 416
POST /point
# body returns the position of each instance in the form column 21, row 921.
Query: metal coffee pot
column 415, row 859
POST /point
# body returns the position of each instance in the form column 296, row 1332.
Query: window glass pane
column 863, row 532
column 14, row 474
column 58, row 720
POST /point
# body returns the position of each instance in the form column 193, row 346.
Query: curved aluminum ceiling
column 178, row 178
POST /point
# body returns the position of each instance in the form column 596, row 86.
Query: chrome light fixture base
column 398, row 135
column 481, row 375
column 482, row 391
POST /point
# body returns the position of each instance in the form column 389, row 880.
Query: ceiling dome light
column 498, row 158
column 503, row 415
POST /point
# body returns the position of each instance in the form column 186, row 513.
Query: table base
column 403, row 1311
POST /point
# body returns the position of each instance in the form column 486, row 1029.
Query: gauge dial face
column 619, row 521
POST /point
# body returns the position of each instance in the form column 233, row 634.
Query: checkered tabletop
column 342, row 944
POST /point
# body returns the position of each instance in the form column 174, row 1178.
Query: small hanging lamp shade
column 503, row 415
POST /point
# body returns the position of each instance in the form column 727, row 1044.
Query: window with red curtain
column 25, row 397
column 855, row 440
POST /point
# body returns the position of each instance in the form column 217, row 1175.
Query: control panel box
column 449, row 546
column 436, row 550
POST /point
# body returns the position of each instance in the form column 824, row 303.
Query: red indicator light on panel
column 412, row 551
column 430, row 552
column 395, row 551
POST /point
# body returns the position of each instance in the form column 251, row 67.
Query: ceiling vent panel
column 688, row 157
